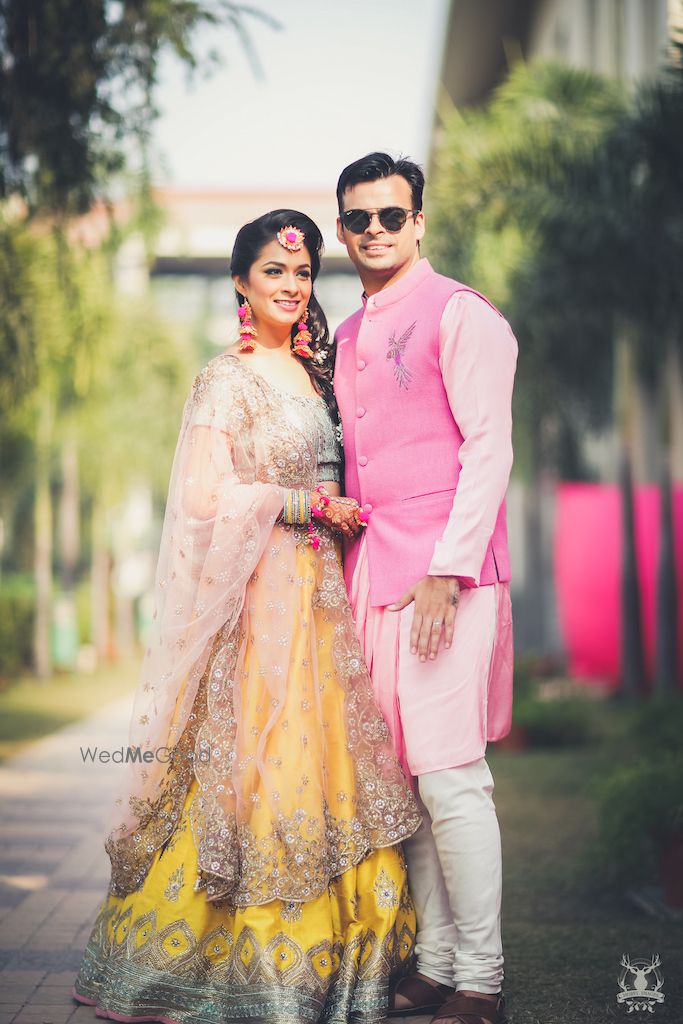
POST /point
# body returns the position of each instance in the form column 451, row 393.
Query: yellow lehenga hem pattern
column 167, row 953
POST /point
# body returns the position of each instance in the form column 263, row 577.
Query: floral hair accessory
column 291, row 238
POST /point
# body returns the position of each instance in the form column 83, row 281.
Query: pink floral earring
column 247, row 329
column 301, row 342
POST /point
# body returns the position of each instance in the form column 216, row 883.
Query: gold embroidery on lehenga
column 240, row 977
column 385, row 890
column 175, row 884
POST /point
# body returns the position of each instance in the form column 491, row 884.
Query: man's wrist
column 464, row 582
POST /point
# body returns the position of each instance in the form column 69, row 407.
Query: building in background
column 624, row 38
column 191, row 269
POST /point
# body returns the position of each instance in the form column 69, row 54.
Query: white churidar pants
column 454, row 867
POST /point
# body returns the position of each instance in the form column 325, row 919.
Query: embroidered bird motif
column 396, row 350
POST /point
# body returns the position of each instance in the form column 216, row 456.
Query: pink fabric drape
column 588, row 543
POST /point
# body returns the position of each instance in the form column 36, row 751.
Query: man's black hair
column 381, row 165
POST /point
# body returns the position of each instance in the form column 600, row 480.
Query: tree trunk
column 125, row 626
column 69, row 516
column 667, row 587
column 65, row 617
column 674, row 387
column 647, row 439
column 533, row 543
column 667, row 596
column 42, row 543
column 632, row 656
column 99, row 581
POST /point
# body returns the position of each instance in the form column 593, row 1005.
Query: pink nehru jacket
column 427, row 432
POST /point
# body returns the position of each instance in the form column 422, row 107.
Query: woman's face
column 278, row 286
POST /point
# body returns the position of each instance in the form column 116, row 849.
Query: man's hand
column 436, row 602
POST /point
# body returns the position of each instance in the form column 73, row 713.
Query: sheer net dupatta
column 218, row 520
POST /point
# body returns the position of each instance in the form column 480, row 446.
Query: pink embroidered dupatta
column 218, row 520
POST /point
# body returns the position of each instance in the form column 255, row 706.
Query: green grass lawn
column 30, row 709
column 564, row 930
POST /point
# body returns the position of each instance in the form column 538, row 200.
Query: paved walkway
column 53, row 869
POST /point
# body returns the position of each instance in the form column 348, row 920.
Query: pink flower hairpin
column 291, row 238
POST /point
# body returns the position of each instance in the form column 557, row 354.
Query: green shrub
column 17, row 615
column 557, row 720
column 563, row 722
column 84, row 610
column 657, row 725
column 640, row 806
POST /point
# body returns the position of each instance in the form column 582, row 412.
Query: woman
column 255, row 866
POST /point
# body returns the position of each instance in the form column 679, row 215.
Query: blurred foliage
column 561, row 722
column 17, row 610
column 544, row 718
column 657, row 726
column 489, row 230
column 84, row 366
column 641, row 801
column 641, row 806
column 104, row 367
column 562, row 201
column 92, row 383
column 77, row 84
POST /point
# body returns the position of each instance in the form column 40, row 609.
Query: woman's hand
column 341, row 515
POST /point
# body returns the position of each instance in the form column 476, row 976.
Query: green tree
column 47, row 350
column 127, row 427
column 490, row 200
column 77, row 82
column 77, row 78
column 573, row 192
column 619, row 209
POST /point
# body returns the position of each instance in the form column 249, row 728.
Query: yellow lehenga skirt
column 165, row 952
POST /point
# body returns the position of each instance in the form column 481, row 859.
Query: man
column 423, row 378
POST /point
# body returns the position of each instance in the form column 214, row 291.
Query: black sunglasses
column 392, row 218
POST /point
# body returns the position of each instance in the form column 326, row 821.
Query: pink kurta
column 442, row 713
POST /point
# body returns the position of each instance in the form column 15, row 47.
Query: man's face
column 376, row 253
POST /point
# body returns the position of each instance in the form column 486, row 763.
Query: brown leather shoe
column 418, row 994
column 462, row 1009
